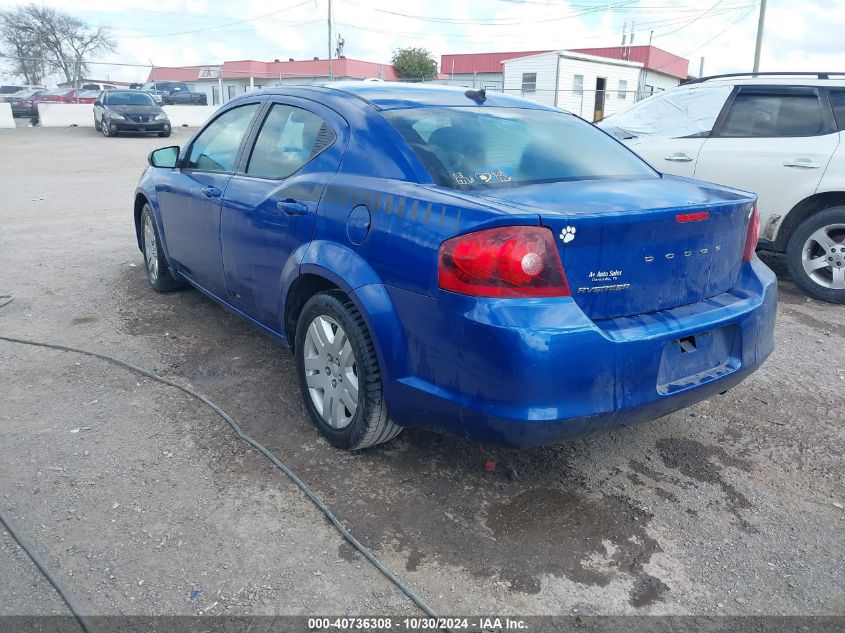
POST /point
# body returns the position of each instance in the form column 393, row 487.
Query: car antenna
column 479, row 96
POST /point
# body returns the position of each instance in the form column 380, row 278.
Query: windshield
column 479, row 147
column 114, row 97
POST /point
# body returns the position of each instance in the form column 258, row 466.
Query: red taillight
column 695, row 216
column 752, row 236
column 509, row 261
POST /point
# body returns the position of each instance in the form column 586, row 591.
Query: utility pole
column 331, row 66
column 760, row 23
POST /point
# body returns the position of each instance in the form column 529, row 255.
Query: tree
column 65, row 42
column 414, row 64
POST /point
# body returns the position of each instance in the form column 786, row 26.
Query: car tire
column 158, row 270
column 104, row 128
column 334, row 353
column 164, row 134
column 815, row 255
column 96, row 125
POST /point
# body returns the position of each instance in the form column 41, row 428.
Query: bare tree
column 64, row 41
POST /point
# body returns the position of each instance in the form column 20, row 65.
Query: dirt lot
column 143, row 502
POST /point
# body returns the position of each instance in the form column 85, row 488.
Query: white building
column 589, row 86
column 589, row 82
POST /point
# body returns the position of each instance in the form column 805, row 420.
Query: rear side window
column 478, row 147
column 216, row 148
column 837, row 100
column 769, row 115
column 289, row 138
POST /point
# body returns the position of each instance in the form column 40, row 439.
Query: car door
column 775, row 141
column 190, row 199
column 270, row 205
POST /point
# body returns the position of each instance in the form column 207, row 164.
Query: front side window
column 289, row 138
column 529, row 83
column 216, row 148
column 483, row 147
column 578, row 85
column 768, row 115
column 679, row 113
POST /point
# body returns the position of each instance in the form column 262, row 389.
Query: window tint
column 216, row 148
column 774, row 115
column 488, row 147
column 837, row 100
column 529, row 83
column 288, row 139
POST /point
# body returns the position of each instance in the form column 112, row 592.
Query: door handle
column 292, row 207
column 212, row 192
column 802, row 163
column 678, row 158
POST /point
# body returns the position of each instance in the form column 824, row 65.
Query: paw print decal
column 567, row 234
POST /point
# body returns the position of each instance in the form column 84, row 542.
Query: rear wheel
column 815, row 255
column 158, row 270
column 339, row 374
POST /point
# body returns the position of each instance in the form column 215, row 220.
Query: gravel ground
column 142, row 501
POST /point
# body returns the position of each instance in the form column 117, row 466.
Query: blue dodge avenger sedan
column 471, row 263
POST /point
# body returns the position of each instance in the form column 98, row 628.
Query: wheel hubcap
column 331, row 373
column 823, row 256
column 150, row 248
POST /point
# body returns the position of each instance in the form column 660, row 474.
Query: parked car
column 118, row 111
column 7, row 91
column 174, row 93
column 58, row 95
column 23, row 104
column 471, row 263
column 98, row 87
column 776, row 134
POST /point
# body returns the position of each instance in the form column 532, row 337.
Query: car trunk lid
column 636, row 246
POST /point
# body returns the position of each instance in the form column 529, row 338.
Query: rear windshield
column 481, row 147
column 114, row 97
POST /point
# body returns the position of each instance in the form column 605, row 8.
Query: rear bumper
column 525, row 373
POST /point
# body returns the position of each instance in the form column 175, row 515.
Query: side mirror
column 98, row 103
column 165, row 157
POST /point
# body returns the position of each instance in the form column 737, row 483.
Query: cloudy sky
column 802, row 35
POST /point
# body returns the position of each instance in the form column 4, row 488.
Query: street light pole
column 760, row 23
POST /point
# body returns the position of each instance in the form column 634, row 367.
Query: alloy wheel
column 331, row 372
column 150, row 248
column 823, row 256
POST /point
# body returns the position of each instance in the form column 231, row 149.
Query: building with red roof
column 232, row 78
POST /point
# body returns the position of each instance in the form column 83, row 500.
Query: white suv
column 779, row 135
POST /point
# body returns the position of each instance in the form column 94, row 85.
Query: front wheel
column 158, row 270
column 339, row 374
column 815, row 255
column 104, row 128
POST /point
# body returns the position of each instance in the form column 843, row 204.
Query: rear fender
column 354, row 276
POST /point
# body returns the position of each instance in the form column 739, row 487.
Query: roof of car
column 391, row 95
column 773, row 79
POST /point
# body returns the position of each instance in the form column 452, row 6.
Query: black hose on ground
column 312, row 496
